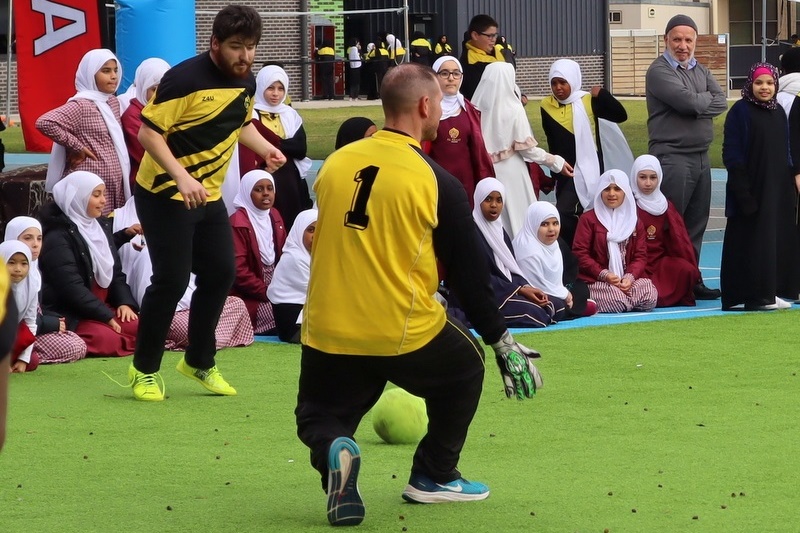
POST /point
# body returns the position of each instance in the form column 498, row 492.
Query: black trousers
column 180, row 242
column 355, row 82
column 336, row 391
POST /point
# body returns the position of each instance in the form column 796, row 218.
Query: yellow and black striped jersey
column 386, row 213
column 200, row 112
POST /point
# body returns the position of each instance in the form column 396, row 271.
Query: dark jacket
column 67, row 275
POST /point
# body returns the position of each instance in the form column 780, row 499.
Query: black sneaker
column 701, row 292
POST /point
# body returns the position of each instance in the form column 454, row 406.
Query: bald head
column 404, row 86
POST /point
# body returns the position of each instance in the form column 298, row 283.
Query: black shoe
column 701, row 292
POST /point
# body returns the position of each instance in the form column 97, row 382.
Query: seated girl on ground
column 17, row 259
column 522, row 305
column 287, row 292
column 54, row 343
column 611, row 249
column 258, row 238
column 671, row 262
column 547, row 262
column 81, row 272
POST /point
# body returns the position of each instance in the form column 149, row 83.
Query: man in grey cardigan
column 682, row 99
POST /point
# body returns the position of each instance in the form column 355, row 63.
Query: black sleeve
column 8, row 327
column 604, row 105
column 295, row 147
column 455, row 240
column 794, row 135
column 47, row 323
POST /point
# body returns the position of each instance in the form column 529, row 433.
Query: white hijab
column 587, row 166
column 148, row 73
column 290, row 119
column 452, row 104
column 290, row 282
column 72, row 195
column 125, row 217
column 654, row 203
column 542, row 264
column 86, row 87
column 259, row 218
column 493, row 231
column 620, row 222
column 504, row 123
column 27, row 300
column 15, row 227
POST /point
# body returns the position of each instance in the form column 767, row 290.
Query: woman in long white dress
column 509, row 139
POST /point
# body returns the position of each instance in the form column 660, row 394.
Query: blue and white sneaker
column 345, row 507
column 422, row 489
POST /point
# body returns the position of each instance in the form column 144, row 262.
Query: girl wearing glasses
column 459, row 146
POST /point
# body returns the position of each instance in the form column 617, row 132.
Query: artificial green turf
column 670, row 418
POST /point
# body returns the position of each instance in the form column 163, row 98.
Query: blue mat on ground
column 709, row 266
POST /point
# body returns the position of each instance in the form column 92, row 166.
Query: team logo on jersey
column 454, row 136
column 247, row 102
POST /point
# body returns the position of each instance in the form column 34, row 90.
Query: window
column 615, row 17
column 746, row 23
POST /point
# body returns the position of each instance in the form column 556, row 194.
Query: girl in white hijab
column 521, row 304
column 258, row 237
column 87, row 130
column 611, row 249
column 544, row 260
column 281, row 125
column 54, row 344
column 16, row 257
column 148, row 76
column 82, row 278
column 510, row 142
column 459, row 147
column 287, row 292
column 671, row 262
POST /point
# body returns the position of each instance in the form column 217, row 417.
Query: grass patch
column 321, row 125
column 674, row 419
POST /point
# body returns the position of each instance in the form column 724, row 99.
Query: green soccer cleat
column 211, row 379
column 145, row 386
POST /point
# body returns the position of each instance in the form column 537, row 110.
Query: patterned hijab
column 759, row 69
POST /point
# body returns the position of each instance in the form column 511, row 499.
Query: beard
column 229, row 69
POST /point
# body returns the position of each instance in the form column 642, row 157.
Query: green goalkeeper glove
column 520, row 376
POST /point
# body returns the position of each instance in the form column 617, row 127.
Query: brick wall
column 532, row 73
column 280, row 40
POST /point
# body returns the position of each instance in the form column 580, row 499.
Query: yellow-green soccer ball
column 399, row 417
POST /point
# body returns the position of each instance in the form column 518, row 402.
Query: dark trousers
column 569, row 207
column 182, row 241
column 355, row 82
column 687, row 184
column 336, row 391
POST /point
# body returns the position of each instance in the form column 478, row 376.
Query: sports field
column 679, row 425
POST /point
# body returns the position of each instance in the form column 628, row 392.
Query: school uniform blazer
column 590, row 246
column 67, row 275
column 249, row 283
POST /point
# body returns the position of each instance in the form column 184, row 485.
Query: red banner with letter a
column 52, row 37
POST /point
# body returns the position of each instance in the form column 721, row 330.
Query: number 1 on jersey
column 357, row 217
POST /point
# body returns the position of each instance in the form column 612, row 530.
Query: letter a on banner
column 52, row 37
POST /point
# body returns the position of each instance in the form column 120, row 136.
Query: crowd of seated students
column 79, row 272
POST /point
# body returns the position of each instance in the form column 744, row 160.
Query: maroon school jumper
column 671, row 263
